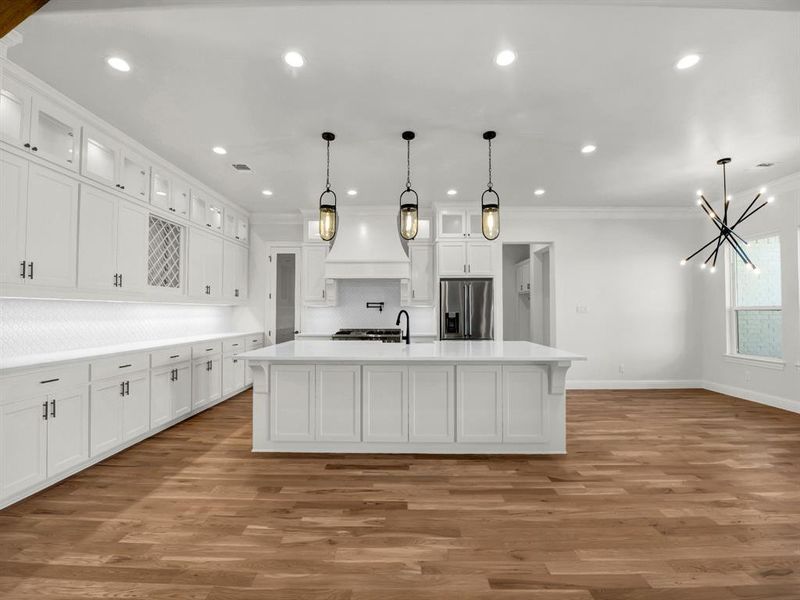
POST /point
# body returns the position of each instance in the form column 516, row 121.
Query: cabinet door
column 13, row 201
column 15, row 111
column 524, row 403
column 67, row 430
column 474, row 225
column 242, row 229
column 201, row 383
column 421, row 273
column 292, row 403
column 431, row 404
column 181, row 198
column 229, row 375
column 519, row 271
column 215, row 216
column 101, row 157
column 452, row 224
column 106, row 413
column 182, row 391
column 452, row 259
column 338, row 410
column 161, row 191
column 230, row 269
column 161, row 394
column 55, row 133
column 213, row 267
column 385, row 403
column 314, row 273
column 23, row 444
column 242, row 272
column 230, row 224
column 200, row 208
column 135, row 176
column 97, row 246
column 52, row 228
column 205, row 264
column 479, row 258
column 132, row 233
column 136, row 406
column 479, row 404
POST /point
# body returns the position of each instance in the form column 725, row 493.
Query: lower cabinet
column 170, row 393
column 385, row 402
column 292, row 403
column 524, row 393
column 431, row 404
column 120, row 410
column 232, row 374
column 41, row 437
column 338, row 403
column 207, row 380
column 479, row 403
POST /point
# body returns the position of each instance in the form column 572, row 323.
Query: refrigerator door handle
column 467, row 309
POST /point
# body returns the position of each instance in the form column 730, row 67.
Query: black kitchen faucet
column 407, row 337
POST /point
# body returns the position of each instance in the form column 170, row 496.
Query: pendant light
column 490, row 201
column 327, row 211
column 409, row 208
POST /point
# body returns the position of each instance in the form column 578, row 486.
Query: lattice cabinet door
column 165, row 254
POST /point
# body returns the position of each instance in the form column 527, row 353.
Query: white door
column 136, row 406
column 524, row 404
column 452, row 259
column 205, row 264
column 452, row 224
column 479, row 403
column 431, row 403
column 23, row 444
column 213, row 266
column 67, row 430
column 242, row 272
column 338, row 411
column 385, row 403
column 182, row 390
column 242, row 229
column 230, row 269
column 314, row 273
column 100, row 158
column 13, row 201
column 55, row 133
column 135, row 176
column 161, row 191
column 52, row 228
column 230, row 224
column 106, row 415
column 15, row 112
column 519, row 275
column 421, row 256
column 199, row 209
column 181, row 198
column 292, row 403
column 215, row 215
column 161, row 395
column 97, row 245
column 479, row 258
column 132, row 239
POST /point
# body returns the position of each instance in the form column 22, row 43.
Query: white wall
column 779, row 387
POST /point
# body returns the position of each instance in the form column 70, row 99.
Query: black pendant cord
column 328, row 167
column 408, row 165
column 489, row 185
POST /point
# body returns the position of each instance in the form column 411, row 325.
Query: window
column 756, row 319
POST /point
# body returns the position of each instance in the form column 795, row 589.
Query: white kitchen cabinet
column 459, row 223
column 524, row 395
column 242, row 229
column 385, row 403
column 170, row 393
column 55, row 133
column 23, row 444
column 292, row 408
column 422, row 274
column 112, row 248
column 51, row 228
column 232, row 374
column 13, row 209
column 479, row 258
column 67, row 429
column 205, row 265
column 234, row 271
column 16, row 100
column 465, row 259
column 169, row 193
column 134, row 175
column 206, row 211
column 523, row 277
column 230, row 224
column 236, row 226
column 106, row 415
column 338, row 403
column 479, row 403
column 431, row 403
column 207, row 380
column 317, row 291
column 136, row 406
column 101, row 158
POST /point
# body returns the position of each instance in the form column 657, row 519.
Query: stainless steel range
column 375, row 335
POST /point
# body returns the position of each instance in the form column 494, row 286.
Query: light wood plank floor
column 664, row 495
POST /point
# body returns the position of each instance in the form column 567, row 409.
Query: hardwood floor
column 664, row 495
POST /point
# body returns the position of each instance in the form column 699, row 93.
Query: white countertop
column 49, row 359
column 441, row 351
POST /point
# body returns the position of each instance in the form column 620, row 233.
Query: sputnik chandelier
column 725, row 231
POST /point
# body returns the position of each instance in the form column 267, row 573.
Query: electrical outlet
column 747, row 376
column 621, row 369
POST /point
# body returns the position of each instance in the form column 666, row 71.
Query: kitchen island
column 450, row 397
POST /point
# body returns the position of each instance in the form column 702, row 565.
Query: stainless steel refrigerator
column 466, row 311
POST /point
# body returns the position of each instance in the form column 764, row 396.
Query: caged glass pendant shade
column 327, row 199
column 409, row 200
column 490, row 200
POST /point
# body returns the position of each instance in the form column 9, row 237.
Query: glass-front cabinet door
column 55, row 133
column 15, row 112
column 161, row 194
column 474, row 225
column 242, row 227
column 452, row 224
column 135, row 176
column 215, row 215
column 100, row 158
column 181, row 195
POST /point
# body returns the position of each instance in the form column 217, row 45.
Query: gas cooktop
column 378, row 335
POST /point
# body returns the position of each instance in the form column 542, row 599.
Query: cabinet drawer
column 206, row 348
column 119, row 365
column 254, row 341
column 170, row 356
column 43, row 381
column 233, row 345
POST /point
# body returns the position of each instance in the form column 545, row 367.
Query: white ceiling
column 206, row 75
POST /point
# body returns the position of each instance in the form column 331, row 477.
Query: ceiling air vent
column 241, row 167
column 765, row 164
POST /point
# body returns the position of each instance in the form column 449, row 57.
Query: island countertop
column 318, row 351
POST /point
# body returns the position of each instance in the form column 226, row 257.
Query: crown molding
column 9, row 40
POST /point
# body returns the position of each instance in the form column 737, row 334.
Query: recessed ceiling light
column 687, row 62
column 588, row 148
column 267, row 192
column 452, row 192
column 505, row 57
column 120, row 64
column 219, row 150
column 294, row 59
column 352, row 192
column 538, row 192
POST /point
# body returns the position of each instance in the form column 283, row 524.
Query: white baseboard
column 753, row 396
column 633, row 384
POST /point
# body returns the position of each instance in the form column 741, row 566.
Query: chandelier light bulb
column 763, row 190
column 683, row 262
column 699, row 201
column 703, row 266
column 712, row 270
column 699, row 192
column 771, row 199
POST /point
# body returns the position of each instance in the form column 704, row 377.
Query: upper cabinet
column 317, row 291
column 169, row 193
column 206, row 211
column 134, row 176
column 108, row 162
column 459, row 223
column 419, row 289
column 38, row 125
column 236, row 226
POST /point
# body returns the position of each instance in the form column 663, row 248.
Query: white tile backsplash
column 351, row 310
column 41, row 326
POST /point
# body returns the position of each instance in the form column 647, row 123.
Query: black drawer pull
column 175, row 356
column 209, row 349
column 50, row 380
column 125, row 366
column 234, row 345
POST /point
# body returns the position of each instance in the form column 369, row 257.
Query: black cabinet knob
column 26, row 145
column 35, row 149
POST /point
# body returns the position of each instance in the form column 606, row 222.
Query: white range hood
column 367, row 245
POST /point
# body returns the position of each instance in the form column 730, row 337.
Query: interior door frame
column 270, row 308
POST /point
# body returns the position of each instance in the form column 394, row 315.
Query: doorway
column 284, row 294
column 528, row 313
